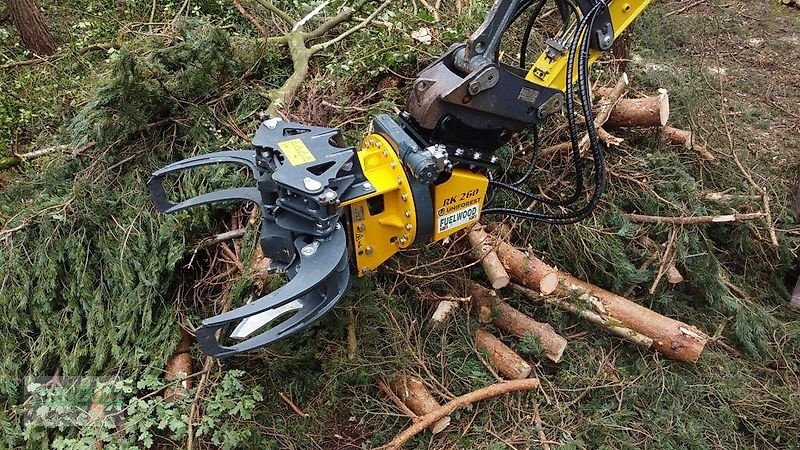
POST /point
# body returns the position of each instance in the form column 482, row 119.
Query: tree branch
column 251, row 19
column 459, row 402
column 344, row 16
column 277, row 11
column 321, row 46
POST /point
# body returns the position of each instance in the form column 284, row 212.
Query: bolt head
column 368, row 250
column 312, row 184
column 366, row 186
column 308, row 250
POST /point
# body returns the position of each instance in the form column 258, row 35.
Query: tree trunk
column 31, row 26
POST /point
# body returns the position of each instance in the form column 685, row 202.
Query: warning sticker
column 457, row 218
column 296, row 152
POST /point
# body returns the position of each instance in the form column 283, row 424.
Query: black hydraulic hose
column 523, row 48
column 597, row 152
column 534, row 157
column 576, row 156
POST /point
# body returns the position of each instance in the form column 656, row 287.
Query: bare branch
column 251, row 19
column 310, row 15
column 370, row 18
column 459, row 402
column 344, row 15
column 277, row 11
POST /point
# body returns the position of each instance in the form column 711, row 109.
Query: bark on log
column 686, row 139
column 501, row 356
column 412, row 391
column 511, row 320
column 482, row 250
column 671, row 337
column 179, row 366
column 694, row 220
column 612, row 326
column 32, row 27
column 638, row 112
column 528, row 270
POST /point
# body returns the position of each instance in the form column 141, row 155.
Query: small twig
column 694, row 220
column 537, row 419
column 666, row 258
column 294, row 407
column 234, row 258
column 193, row 409
column 459, row 402
column 222, row 237
column 344, row 108
column 343, row 16
column 684, row 9
column 432, row 9
column 352, row 342
column 93, row 47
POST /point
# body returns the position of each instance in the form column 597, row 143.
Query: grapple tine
column 240, row 157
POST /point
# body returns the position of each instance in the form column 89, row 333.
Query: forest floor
column 96, row 283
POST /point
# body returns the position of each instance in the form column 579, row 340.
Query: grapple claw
column 318, row 281
column 301, row 173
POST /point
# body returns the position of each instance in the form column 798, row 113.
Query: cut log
column 511, row 320
column 179, row 366
column 638, row 112
column 612, row 326
column 501, row 356
column 482, row 250
column 694, row 220
column 687, row 139
column 671, row 337
column 443, row 310
column 527, row 269
column 413, row 393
